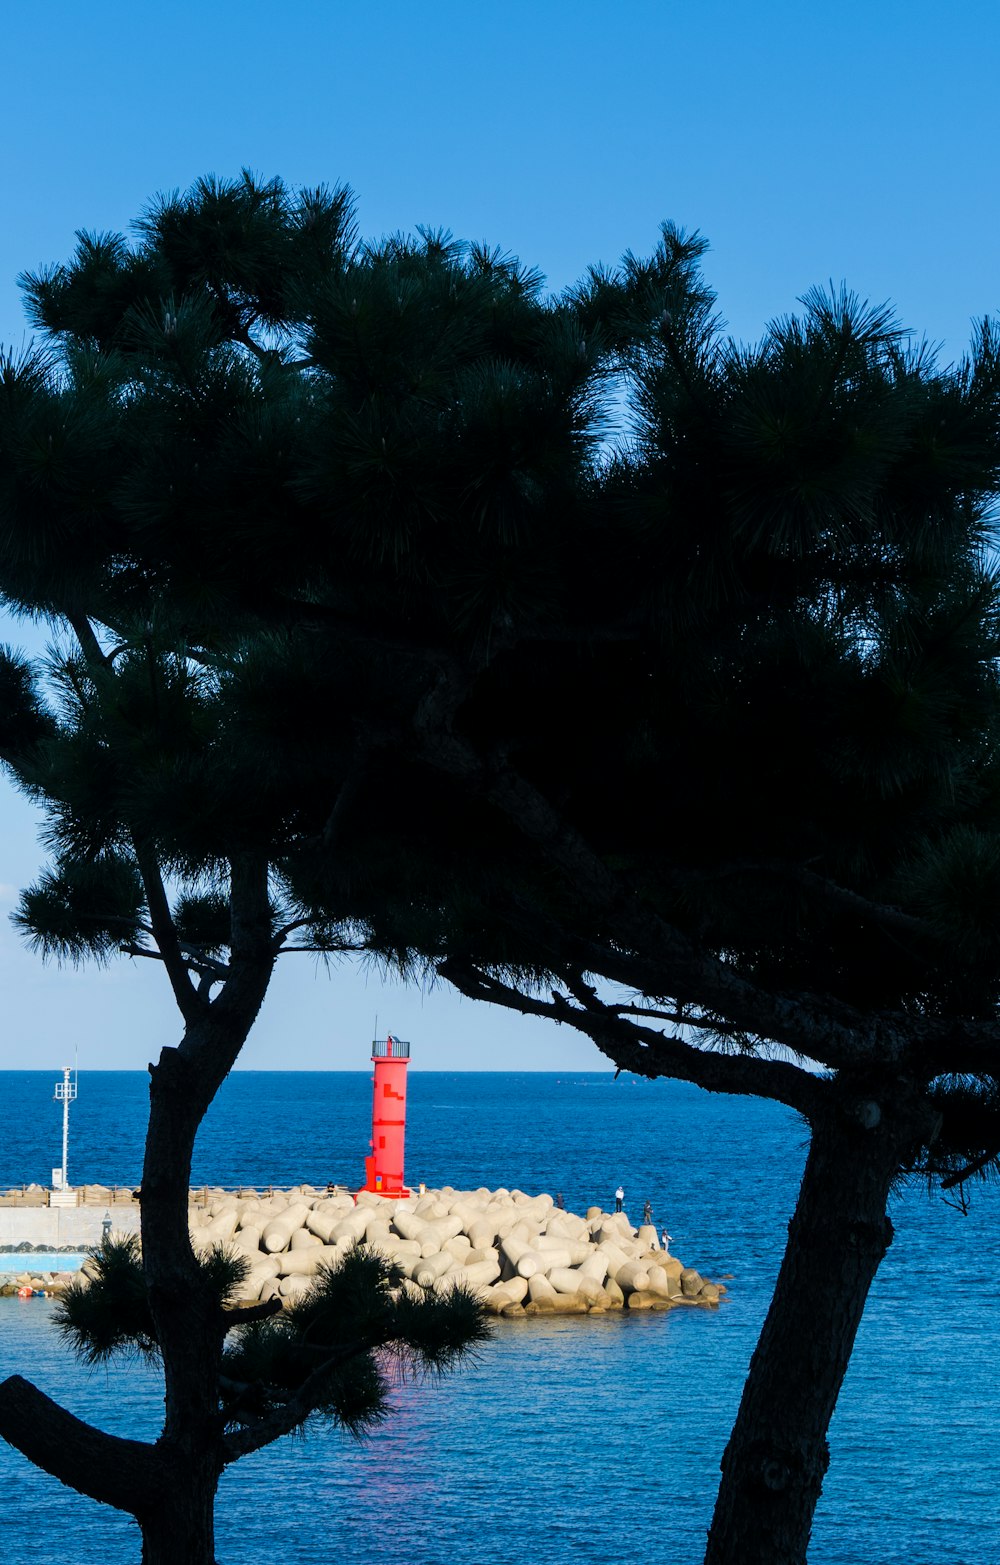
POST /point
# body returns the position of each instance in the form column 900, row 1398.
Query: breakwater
column 521, row 1253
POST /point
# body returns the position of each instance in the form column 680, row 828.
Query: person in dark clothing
column 647, row 1213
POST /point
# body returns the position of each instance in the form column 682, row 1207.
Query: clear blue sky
column 855, row 142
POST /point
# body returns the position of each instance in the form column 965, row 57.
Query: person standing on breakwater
column 665, row 1241
column 619, row 1198
column 647, row 1212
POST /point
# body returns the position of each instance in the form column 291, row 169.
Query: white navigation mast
column 65, row 1093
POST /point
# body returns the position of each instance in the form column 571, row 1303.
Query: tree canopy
column 615, row 671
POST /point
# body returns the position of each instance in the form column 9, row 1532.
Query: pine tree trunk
column 189, row 1325
column 776, row 1459
column 182, row 1532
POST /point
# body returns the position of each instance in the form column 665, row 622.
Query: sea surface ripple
column 571, row 1439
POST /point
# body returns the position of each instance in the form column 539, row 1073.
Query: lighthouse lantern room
column 384, row 1165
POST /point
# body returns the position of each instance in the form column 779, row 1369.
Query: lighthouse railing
column 390, row 1049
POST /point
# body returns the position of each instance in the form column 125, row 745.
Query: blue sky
column 856, row 143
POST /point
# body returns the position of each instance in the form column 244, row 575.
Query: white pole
column 66, row 1092
column 65, row 1182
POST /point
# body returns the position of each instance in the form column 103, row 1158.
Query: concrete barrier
column 279, row 1230
column 432, row 1267
column 519, row 1252
column 59, row 1228
column 305, row 1263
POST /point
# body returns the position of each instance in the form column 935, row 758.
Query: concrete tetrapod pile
column 522, row 1254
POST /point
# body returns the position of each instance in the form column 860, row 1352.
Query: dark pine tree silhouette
column 123, row 732
column 689, row 742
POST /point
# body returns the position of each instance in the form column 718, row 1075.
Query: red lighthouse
column 384, row 1166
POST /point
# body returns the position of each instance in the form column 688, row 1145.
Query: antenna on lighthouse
column 65, row 1093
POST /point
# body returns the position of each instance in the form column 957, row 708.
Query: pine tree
column 165, row 478
column 160, row 854
column 690, row 746
column 762, row 813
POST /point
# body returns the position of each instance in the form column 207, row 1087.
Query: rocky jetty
column 522, row 1254
column 30, row 1282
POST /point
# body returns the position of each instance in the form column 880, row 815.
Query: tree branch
column 251, row 964
column 955, row 1045
column 242, row 335
column 89, row 644
column 190, row 1003
column 124, row 1473
column 883, row 914
column 253, row 1437
column 650, row 953
column 970, row 1170
column 646, row 1051
column 289, row 929
column 197, row 959
column 243, row 1315
column 680, row 1018
column 334, row 949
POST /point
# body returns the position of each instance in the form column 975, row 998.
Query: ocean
column 575, row 1439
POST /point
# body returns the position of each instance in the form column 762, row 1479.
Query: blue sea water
column 40, row 1261
column 573, row 1439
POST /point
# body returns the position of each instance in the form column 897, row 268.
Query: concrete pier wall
column 57, row 1227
